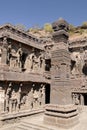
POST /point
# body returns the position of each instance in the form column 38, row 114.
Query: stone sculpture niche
column 16, row 100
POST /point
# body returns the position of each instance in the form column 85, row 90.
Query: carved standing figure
column 9, row 54
column 43, row 94
column 41, row 62
column 35, row 63
column 35, row 95
column 19, row 99
column 7, row 97
column 13, row 101
column 40, row 97
column 77, row 68
column 19, row 55
column 30, row 99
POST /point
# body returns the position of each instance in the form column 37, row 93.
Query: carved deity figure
column 40, row 97
column 43, row 95
column 35, row 95
column 35, row 63
column 75, row 99
column 29, row 62
column 9, row 54
column 41, row 62
column 19, row 56
column 5, row 43
column 7, row 98
column 77, row 68
column 19, row 98
column 30, row 99
column 13, row 101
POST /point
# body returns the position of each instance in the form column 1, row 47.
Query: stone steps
column 31, row 126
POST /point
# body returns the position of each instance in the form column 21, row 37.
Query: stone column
column 60, row 112
column 60, row 60
column 2, row 97
column 82, row 99
column 4, row 51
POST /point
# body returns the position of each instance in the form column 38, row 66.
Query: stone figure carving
column 5, row 42
column 42, row 62
column 75, row 99
column 29, row 62
column 7, row 98
column 13, row 101
column 19, row 56
column 19, row 98
column 35, row 63
column 35, row 95
column 30, row 99
column 4, row 51
column 12, row 58
column 43, row 94
column 77, row 67
column 9, row 54
column 23, row 101
column 40, row 97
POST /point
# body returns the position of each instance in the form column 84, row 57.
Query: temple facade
column 23, row 84
column 35, row 71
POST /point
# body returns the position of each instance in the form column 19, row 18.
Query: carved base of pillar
column 61, row 116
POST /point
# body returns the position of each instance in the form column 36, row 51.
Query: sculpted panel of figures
column 34, row 63
column 77, row 59
column 17, row 100
column 14, row 58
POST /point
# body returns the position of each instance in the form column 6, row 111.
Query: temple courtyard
column 36, row 122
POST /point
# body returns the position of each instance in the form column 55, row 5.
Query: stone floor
column 35, row 122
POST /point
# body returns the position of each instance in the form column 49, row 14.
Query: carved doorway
column 84, row 70
column 85, row 99
column 47, row 94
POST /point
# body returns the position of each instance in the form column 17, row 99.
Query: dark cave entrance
column 84, row 70
column 47, row 94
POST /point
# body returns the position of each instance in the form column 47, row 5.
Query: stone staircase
column 31, row 126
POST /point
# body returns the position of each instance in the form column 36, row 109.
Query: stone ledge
column 18, row 115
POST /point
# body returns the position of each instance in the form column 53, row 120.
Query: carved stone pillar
column 82, row 99
column 60, row 59
column 2, row 97
column 4, row 51
column 60, row 112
